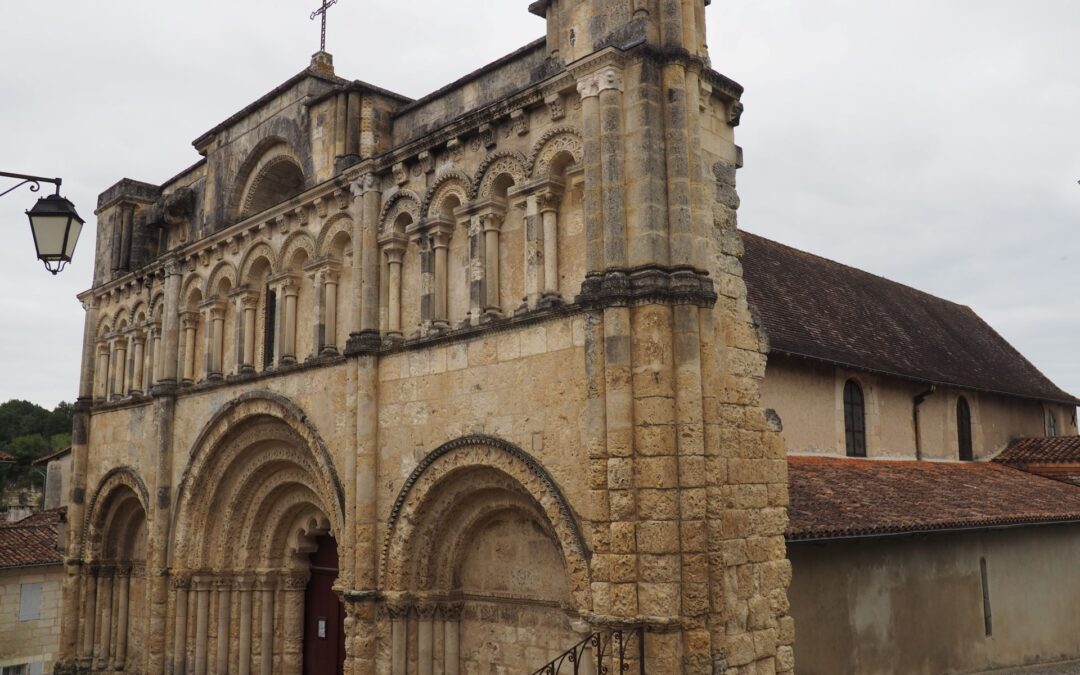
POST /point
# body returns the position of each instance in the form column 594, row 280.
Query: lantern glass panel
column 49, row 231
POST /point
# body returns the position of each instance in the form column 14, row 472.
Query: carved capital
column 295, row 581
column 451, row 611
column 398, row 610
column 365, row 184
column 181, row 582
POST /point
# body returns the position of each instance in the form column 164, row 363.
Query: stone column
column 123, row 583
column 427, row 279
column 202, row 621
column 217, row 341
column 477, row 294
column 245, row 588
column 611, row 159
column 190, row 321
column 368, row 249
column 120, row 369
column 329, row 345
column 250, row 304
column 492, row 225
column 395, row 254
column 138, row 357
column 593, row 207
column 425, row 639
column 548, row 201
column 399, row 642
column 440, row 240
column 266, row 628
column 89, row 353
column 102, row 373
column 224, row 618
column 180, row 627
column 104, row 626
column 86, row 652
column 171, row 324
column 291, row 289
column 451, row 638
column 533, row 249
column 293, row 631
column 156, row 362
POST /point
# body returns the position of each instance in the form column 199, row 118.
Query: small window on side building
column 30, row 602
column 1051, row 424
column 854, row 419
column 963, row 430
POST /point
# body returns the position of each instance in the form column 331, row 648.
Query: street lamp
column 53, row 220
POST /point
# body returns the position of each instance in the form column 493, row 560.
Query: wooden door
column 324, row 617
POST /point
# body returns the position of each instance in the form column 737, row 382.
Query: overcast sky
column 935, row 143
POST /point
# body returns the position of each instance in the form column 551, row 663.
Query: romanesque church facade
column 453, row 385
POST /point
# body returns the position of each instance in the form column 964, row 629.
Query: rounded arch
column 157, row 305
column 297, row 241
column 223, row 271
column 335, row 229
column 257, row 252
column 271, row 174
column 403, row 202
column 254, row 440
column 104, row 326
column 457, row 481
column 544, row 161
column 495, row 166
column 192, row 285
column 448, row 184
column 115, row 490
column 137, row 315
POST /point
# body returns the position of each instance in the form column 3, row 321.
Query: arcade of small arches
column 480, row 544
column 440, row 264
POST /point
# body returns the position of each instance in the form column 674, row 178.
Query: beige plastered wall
column 914, row 605
column 36, row 641
column 809, row 397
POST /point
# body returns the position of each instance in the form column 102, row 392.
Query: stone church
column 460, row 384
column 491, row 382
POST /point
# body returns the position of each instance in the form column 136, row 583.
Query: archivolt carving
column 223, row 270
column 157, row 305
column 403, row 201
column 297, row 241
column 267, row 153
column 259, row 250
column 258, row 438
column 450, row 183
column 495, row 165
column 553, row 142
column 193, row 283
column 139, row 310
column 117, row 480
column 439, row 488
column 334, row 227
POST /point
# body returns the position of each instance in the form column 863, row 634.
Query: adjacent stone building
column 454, row 385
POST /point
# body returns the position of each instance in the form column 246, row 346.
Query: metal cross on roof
column 326, row 4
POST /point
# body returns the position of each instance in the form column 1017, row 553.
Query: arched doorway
column 252, row 541
column 324, row 615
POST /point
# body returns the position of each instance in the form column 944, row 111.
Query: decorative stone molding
column 426, row 162
column 648, row 285
column 556, row 106
column 486, row 134
column 735, row 113
column 520, row 121
column 401, row 174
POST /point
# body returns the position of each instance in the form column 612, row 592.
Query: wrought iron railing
column 606, row 652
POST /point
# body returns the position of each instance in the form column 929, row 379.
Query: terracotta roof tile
column 840, row 497
column 820, row 309
column 1060, row 449
column 4, row 457
column 32, row 541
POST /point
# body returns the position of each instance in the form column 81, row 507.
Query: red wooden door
column 324, row 617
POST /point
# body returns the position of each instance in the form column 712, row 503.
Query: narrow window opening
column 1051, row 424
column 988, row 622
column 963, row 430
column 268, row 328
column 854, row 419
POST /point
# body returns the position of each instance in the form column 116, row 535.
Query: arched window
column 963, row 429
column 269, row 319
column 854, row 419
column 1051, row 424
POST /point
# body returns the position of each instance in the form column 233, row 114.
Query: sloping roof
column 4, row 457
column 1057, row 450
column 56, row 455
column 851, row 498
column 815, row 308
column 32, row 541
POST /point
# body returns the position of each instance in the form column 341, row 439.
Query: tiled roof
column 4, row 457
column 32, row 541
column 841, row 497
column 56, row 455
column 819, row 309
column 1057, row 450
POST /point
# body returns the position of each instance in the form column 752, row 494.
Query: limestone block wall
column 36, row 641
